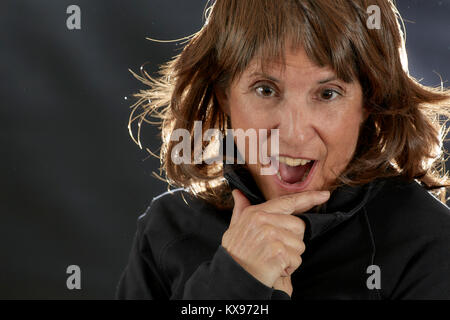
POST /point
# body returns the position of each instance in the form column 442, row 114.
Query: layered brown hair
column 402, row 136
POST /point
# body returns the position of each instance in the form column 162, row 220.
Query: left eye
column 265, row 91
column 329, row 94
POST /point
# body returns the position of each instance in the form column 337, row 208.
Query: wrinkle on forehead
column 296, row 59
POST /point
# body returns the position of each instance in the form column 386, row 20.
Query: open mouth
column 294, row 171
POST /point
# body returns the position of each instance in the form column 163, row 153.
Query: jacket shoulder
column 170, row 214
column 410, row 229
column 402, row 210
column 175, row 215
column 406, row 205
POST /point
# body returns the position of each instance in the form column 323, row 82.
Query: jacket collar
column 344, row 201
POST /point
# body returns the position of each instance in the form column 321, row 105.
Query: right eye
column 265, row 91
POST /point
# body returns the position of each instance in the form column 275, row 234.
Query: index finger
column 295, row 203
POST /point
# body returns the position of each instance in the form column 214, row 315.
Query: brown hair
column 402, row 135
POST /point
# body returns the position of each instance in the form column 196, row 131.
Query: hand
column 266, row 239
column 284, row 284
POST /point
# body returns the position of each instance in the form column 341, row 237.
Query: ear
column 222, row 98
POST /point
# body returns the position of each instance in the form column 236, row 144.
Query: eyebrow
column 265, row 75
column 331, row 78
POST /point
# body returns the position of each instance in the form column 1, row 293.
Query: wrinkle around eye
column 258, row 86
column 336, row 95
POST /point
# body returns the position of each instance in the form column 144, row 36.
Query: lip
column 294, row 157
column 298, row 186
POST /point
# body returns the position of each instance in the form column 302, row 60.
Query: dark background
column 72, row 182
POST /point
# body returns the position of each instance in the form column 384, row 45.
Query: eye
column 265, row 91
column 329, row 94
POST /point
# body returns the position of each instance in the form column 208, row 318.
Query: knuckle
column 311, row 196
column 302, row 247
column 266, row 230
column 296, row 260
column 261, row 217
column 295, row 263
column 248, row 212
column 286, row 203
column 302, row 224
column 312, row 193
column 290, row 199
column 299, row 225
column 269, row 232
column 299, row 262
column 252, row 221
column 277, row 249
column 290, row 203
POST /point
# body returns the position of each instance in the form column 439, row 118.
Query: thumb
column 240, row 203
column 284, row 284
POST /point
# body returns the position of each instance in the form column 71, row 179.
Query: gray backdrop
column 72, row 182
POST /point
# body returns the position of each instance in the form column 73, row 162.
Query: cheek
column 241, row 116
column 341, row 139
column 247, row 112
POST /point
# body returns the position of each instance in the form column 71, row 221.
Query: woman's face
column 318, row 117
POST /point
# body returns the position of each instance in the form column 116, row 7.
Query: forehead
column 292, row 62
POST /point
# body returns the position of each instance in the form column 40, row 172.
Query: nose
column 296, row 124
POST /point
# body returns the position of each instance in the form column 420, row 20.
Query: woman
column 348, row 214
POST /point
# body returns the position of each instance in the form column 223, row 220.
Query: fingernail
column 325, row 194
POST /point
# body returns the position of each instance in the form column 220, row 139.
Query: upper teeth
column 292, row 162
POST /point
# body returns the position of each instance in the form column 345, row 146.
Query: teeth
column 292, row 162
column 302, row 179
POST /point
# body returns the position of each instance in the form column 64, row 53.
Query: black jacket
column 392, row 224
